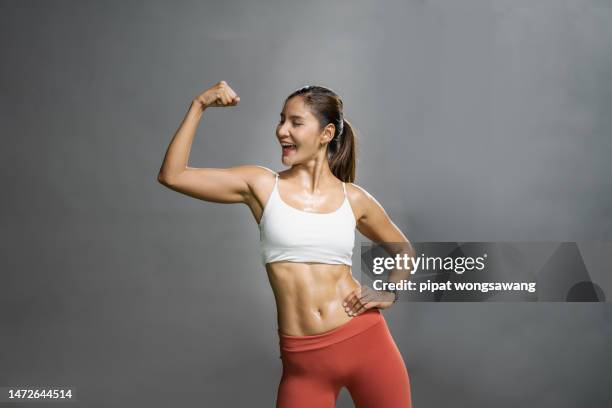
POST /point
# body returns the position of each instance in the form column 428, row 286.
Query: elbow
column 168, row 178
column 163, row 179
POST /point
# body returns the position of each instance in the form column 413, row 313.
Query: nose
column 281, row 130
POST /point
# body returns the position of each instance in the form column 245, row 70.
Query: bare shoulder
column 361, row 200
column 262, row 169
column 253, row 170
column 261, row 182
column 253, row 174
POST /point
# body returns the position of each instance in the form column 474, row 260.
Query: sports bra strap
column 344, row 187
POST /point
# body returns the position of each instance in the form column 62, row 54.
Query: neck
column 312, row 177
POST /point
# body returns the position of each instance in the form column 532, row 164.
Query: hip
column 352, row 326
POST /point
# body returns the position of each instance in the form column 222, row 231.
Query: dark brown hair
column 327, row 106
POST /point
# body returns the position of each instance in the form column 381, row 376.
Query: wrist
column 197, row 106
column 394, row 293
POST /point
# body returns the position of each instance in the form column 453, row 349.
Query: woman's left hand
column 363, row 298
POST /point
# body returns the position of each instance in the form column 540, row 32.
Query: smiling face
column 299, row 130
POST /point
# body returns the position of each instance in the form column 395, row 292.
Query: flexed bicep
column 229, row 185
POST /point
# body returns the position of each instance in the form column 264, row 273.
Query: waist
column 353, row 327
column 309, row 296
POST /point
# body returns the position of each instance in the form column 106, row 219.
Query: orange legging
column 359, row 355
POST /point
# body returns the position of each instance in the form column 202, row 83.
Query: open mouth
column 288, row 148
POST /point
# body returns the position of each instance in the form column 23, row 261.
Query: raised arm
column 230, row 185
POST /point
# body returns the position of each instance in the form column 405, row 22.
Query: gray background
column 478, row 121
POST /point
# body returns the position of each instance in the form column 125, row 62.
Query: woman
column 331, row 331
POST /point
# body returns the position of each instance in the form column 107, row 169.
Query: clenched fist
column 217, row 96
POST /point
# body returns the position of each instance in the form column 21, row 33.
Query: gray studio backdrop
column 478, row 120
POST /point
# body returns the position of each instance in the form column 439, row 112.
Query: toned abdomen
column 309, row 296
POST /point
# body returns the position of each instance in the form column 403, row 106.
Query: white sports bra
column 289, row 234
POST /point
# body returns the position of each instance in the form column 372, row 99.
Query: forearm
column 177, row 155
column 403, row 249
column 400, row 273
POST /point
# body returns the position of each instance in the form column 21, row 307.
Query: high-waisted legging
column 360, row 355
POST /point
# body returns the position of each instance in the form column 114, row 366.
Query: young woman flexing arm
column 220, row 185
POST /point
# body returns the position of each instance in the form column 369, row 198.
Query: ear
column 328, row 133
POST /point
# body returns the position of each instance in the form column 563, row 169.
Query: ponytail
column 342, row 153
